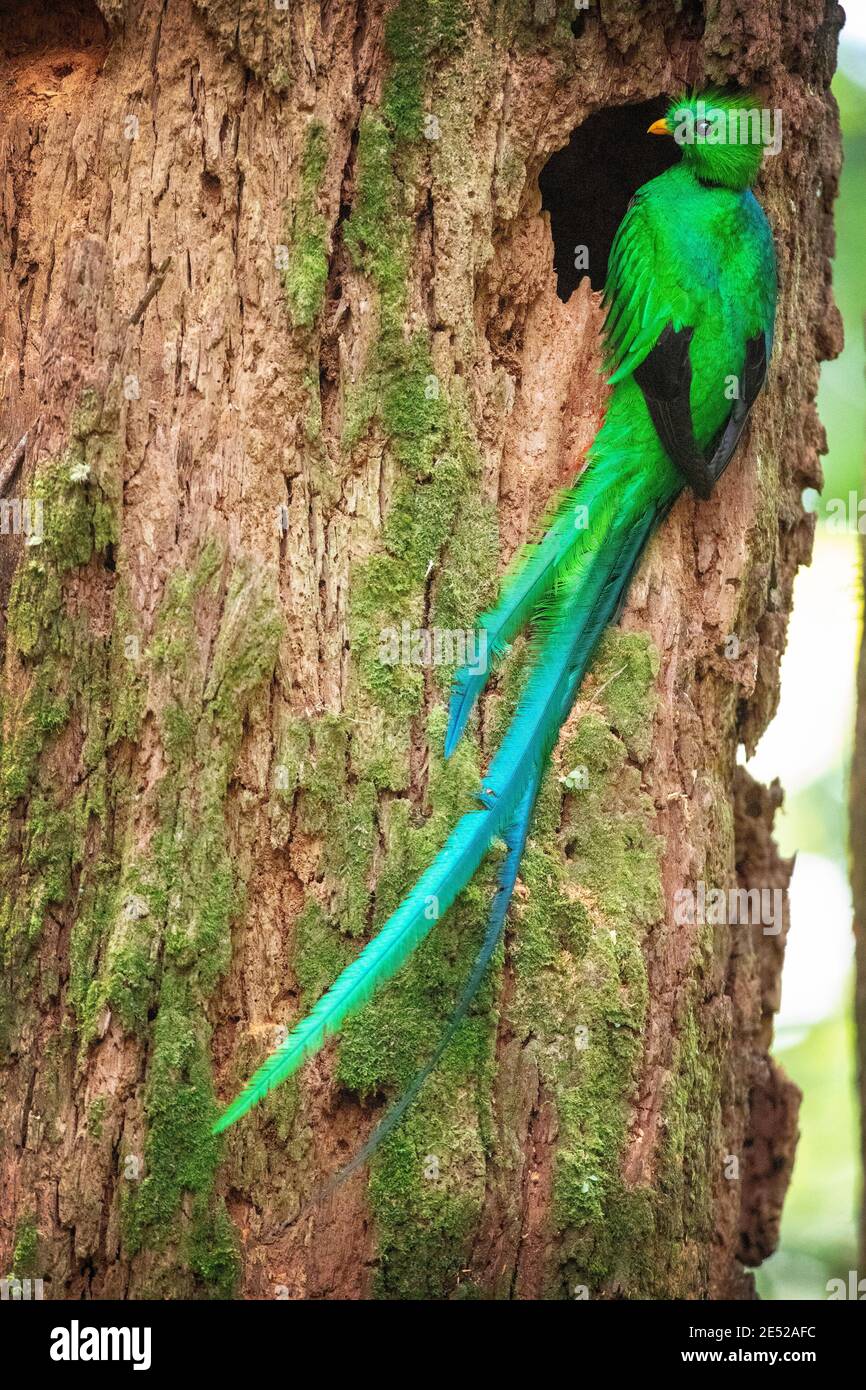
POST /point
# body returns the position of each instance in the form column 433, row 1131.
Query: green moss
column 427, row 1191
column 581, row 980
column 320, row 952
column 578, row 933
column 435, row 512
column 593, row 873
column 192, row 868
column 331, row 773
column 305, row 278
column 613, row 854
column 79, row 493
column 96, row 1118
column 423, row 1220
column 378, row 233
column 180, row 1152
column 315, row 159
column 245, row 653
column 42, row 713
column 435, row 506
column 525, row 26
column 64, row 660
column 25, row 1253
column 173, row 948
column 205, row 897
column 173, row 648
column 691, row 1149
column 213, row 1249
column 315, row 770
column 381, row 1049
column 416, row 30
column 151, row 930
column 626, row 665
column 47, row 861
column 126, row 982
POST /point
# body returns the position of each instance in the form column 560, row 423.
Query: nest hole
column 62, row 27
column 586, row 187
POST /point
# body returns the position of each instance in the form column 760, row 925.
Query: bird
column 690, row 299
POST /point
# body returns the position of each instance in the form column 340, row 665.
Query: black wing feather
column 665, row 378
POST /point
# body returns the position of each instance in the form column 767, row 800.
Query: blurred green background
column 808, row 747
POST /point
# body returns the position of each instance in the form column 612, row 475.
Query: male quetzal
column 690, row 295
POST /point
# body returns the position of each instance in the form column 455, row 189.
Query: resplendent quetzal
column 690, row 296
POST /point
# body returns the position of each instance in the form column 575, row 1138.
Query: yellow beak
column 659, row 128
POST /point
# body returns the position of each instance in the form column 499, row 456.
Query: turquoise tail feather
column 586, row 597
column 515, row 840
column 378, row 961
column 533, row 576
column 571, row 630
column 433, row 894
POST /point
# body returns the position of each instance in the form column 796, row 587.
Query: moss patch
column 418, row 30
column 579, row 962
column 436, row 506
column 424, row 1202
column 151, row 928
column 62, row 670
column 306, row 275
column 25, row 1253
column 578, row 933
column 96, row 1118
column 190, row 894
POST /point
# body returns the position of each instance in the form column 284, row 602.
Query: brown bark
column 251, row 428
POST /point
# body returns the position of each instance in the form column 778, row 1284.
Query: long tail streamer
column 586, row 593
column 515, row 841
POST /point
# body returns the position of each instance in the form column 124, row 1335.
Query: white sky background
column 855, row 20
column 852, row 40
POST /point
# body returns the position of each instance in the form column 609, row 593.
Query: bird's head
column 722, row 135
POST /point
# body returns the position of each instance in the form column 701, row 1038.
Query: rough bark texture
column 281, row 322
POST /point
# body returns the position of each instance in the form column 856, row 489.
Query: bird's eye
column 701, row 128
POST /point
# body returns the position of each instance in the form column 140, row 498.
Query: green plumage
column 693, row 258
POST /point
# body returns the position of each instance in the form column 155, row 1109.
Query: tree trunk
column 282, row 327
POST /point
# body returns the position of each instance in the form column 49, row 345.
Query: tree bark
column 281, row 324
